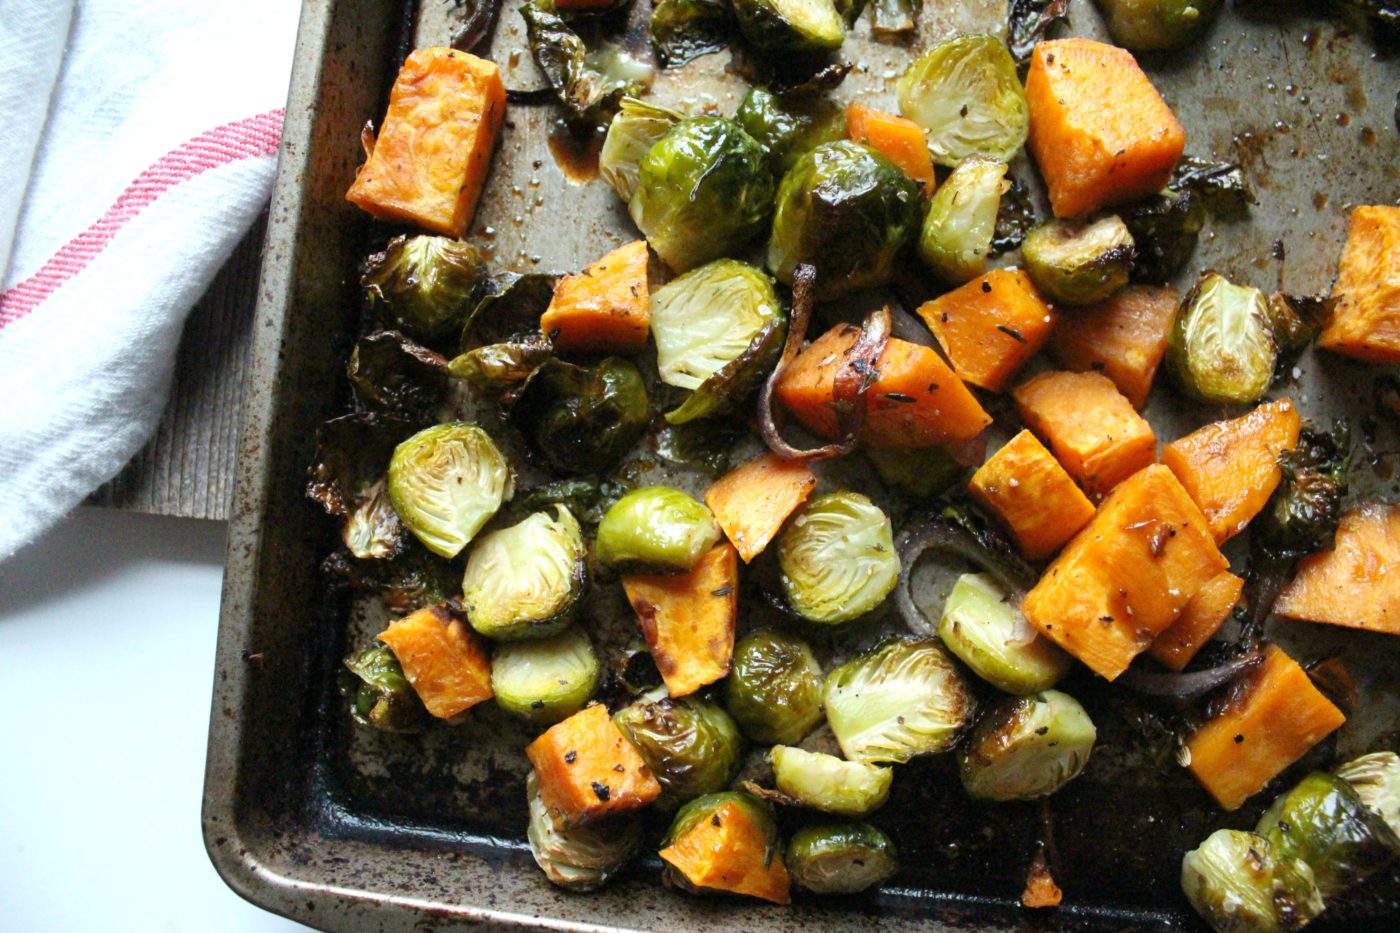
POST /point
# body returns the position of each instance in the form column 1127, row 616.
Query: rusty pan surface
column 347, row 829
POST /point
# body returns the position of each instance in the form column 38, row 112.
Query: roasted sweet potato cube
column 991, row 326
column 688, row 618
column 752, row 502
column 1357, row 583
column 444, row 660
column 587, row 769
column 1124, row 337
column 606, row 308
column 1024, row 487
column 728, row 852
column 1198, row 622
column 1366, row 320
column 902, row 141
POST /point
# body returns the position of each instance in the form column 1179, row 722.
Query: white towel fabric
column 140, row 145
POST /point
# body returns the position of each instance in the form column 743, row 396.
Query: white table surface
column 107, row 631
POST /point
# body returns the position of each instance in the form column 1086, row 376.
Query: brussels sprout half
column 788, row 127
column 580, row 858
column 966, row 95
column 731, row 383
column 690, row 744
column 774, row 689
column 983, row 626
column 380, row 695
column 1235, row 883
column 583, row 419
column 962, row 218
column 545, row 681
column 1077, row 262
column 424, row 284
column 1376, row 780
column 709, row 317
column 899, row 699
column 522, row 582
column 1147, row 25
column 1026, row 747
column 637, row 127
column 703, row 191
column 837, row 558
column 373, row 529
column 840, row 858
column 826, row 783
column 791, row 25
column 1222, row 349
column 446, row 481
column 655, row 529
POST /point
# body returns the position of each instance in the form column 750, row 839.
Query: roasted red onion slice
column 1187, row 686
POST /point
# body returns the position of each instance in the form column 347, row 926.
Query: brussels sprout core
column 580, row 857
column 545, row 681
column 774, row 690
column 961, row 219
column 966, row 95
column 826, row 783
column 1222, row 349
column 690, row 744
column 983, row 626
column 1027, row 747
column 1078, row 263
column 655, row 529
column 523, row 581
column 840, row 858
column 837, row 558
column 446, row 481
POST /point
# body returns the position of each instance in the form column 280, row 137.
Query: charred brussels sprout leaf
column 826, row 783
column 961, row 220
column 388, row 372
column 1026, row 747
column 1376, row 780
column 582, row 419
column 683, row 30
column 983, row 626
column 524, row 581
column 840, row 858
column 580, row 858
column 502, row 365
column 774, row 690
column 966, row 95
column 1028, row 21
column 545, row 681
column 424, row 285
column 1220, row 186
column 702, row 444
column 1164, row 228
column 373, row 529
column 638, row 126
column 897, row 700
column 634, row 669
column 759, row 812
column 707, row 318
column 1236, row 884
column 446, row 481
column 1296, row 320
column 587, row 499
column 846, row 210
column 1015, row 217
column 1148, row 25
column 1222, row 349
column 655, row 529
column 1302, row 515
column 791, row 25
column 589, row 84
column 411, row 580
column 703, row 191
column 837, row 558
column 347, row 479
column 510, row 306
column 790, row 125
column 1077, row 262
column 690, row 744
column 379, row 694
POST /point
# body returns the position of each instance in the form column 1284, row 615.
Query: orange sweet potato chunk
column 1024, row 487
column 991, row 326
column 606, row 308
column 1366, row 320
column 429, row 162
column 444, row 660
column 1099, row 131
column 752, row 502
column 1128, row 575
column 1230, row 468
column 1124, row 337
column 587, row 769
column 1092, row 429
column 902, row 141
column 727, row 853
column 688, row 618
column 1198, row 622
column 1357, row 583
column 1272, row 722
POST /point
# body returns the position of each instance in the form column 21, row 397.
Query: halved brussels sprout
column 729, row 385
column 373, row 529
column 1222, row 349
column 840, row 858
column 690, row 744
column 826, row 783
column 583, row 419
column 837, row 558
column 380, row 695
column 791, row 25
column 1235, row 883
column 682, row 30
column 655, row 529
column 545, row 681
column 788, row 127
column 774, row 690
column 1147, row 25
column 705, row 445
column 1026, row 747
column 899, row 699
column 523, row 581
column 1302, row 514
column 1376, row 780
column 707, row 318
column 916, row 471
column 760, row 812
column 446, row 481
column 966, row 95
column 588, row 82
column 847, row 211
column 1078, row 262
column 962, row 218
column 638, row 126
column 424, row 284
column 983, row 626
column 411, row 580
column 703, row 191
column 580, row 858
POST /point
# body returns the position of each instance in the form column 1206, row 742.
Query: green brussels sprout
column 702, row 808
column 1078, row 262
column 837, row 558
column 705, row 445
column 580, row 858
column 1236, row 884
column 923, row 472
column 425, row 285
column 983, row 626
column 379, row 694
column 961, row 219
column 589, row 83
column 638, row 126
column 390, row 373
column 899, row 699
column 729, row 385
column 1302, row 514
column 966, row 95
column 826, row 783
column 1148, row 25
column 840, row 858
column 790, row 126
column 1165, row 227
column 1376, row 780
column 683, row 30
column 1296, row 320
column 689, row 743
column 446, row 481
column 509, row 309
column 774, row 688
column 1221, row 349
column 582, row 419
column 523, row 582
column 655, row 529
column 502, row 365
column 847, row 211
column 545, row 681
column 703, row 191
column 1026, row 747
column 791, row 25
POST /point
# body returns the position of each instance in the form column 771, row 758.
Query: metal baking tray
column 340, row 830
